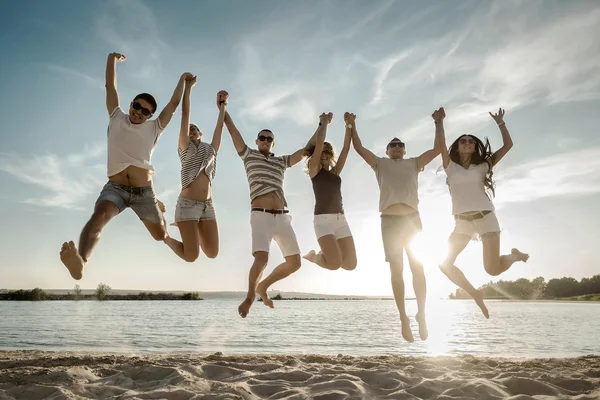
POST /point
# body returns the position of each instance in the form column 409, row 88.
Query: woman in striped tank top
column 195, row 214
column 332, row 230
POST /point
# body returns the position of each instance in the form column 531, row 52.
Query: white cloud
column 130, row 27
column 66, row 180
column 568, row 174
column 503, row 56
column 91, row 80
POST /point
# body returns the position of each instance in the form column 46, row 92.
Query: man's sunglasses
column 395, row 144
column 465, row 140
column 137, row 106
column 262, row 138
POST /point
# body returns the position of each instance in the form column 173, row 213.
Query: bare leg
column 260, row 262
column 420, row 287
column 158, row 230
column 209, row 237
column 456, row 244
column 329, row 257
column 283, row 270
column 189, row 248
column 396, row 268
column 348, row 251
column 76, row 260
column 493, row 262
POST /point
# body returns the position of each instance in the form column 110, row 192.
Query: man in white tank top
column 131, row 139
column 400, row 222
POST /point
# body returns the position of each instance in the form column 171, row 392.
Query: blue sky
column 391, row 63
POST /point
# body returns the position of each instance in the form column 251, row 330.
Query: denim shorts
column 397, row 231
column 194, row 210
column 142, row 200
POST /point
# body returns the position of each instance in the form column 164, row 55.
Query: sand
column 59, row 375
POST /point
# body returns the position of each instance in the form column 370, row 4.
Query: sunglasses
column 267, row 138
column 465, row 140
column 395, row 144
column 137, row 106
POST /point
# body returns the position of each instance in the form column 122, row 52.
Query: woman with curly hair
column 332, row 230
column 469, row 166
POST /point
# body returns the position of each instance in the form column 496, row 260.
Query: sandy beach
column 60, row 375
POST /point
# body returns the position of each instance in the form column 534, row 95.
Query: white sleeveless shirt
column 467, row 189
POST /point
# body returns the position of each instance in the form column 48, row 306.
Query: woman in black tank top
column 332, row 230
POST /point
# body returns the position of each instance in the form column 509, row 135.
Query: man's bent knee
column 261, row 257
column 294, row 261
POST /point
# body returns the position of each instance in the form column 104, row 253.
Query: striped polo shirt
column 194, row 159
column 265, row 173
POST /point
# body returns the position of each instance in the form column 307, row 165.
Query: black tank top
column 328, row 193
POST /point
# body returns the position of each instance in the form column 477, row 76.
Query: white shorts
column 331, row 224
column 477, row 227
column 266, row 227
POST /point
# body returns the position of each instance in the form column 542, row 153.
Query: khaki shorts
column 477, row 227
column 397, row 231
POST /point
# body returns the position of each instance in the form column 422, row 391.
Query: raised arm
column 112, row 96
column 184, row 131
column 314, row 165
column 507, row 142
column 440, row 135
column 349, row 119
column 365, row 153
column 167, row 113
column 222, row 98
column 236, row 136
column 429, row 155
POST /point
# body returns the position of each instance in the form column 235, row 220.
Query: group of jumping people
column 132, row 137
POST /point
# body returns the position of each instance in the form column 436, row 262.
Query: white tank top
column 467, row 189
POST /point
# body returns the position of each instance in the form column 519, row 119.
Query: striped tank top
column 194, row 159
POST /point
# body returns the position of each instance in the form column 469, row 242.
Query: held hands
column 349, row 118
column 222, row 98
column 188, row 76
column 439, row 115
column 325, row 118
column 498, row 117
column 118, row 56
column 189, row 83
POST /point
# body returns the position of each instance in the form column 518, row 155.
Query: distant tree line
column 524, row 289
column 102, row 293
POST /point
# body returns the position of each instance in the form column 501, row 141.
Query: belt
column 270, row 211
column 472, row 217
column 137, row 190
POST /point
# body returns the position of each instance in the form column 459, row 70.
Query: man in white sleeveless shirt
column 132, row 137
column 400, row 222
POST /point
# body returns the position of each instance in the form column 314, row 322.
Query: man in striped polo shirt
column 269, row 218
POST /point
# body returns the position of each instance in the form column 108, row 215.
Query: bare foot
column 244, row 308
column 520, row 256
column 311, row 256
column 422, row 321
column 479, row 300
column 406, row 332
column 72, row 260
column 261, row 290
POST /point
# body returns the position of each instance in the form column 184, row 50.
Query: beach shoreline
column 28, row 374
